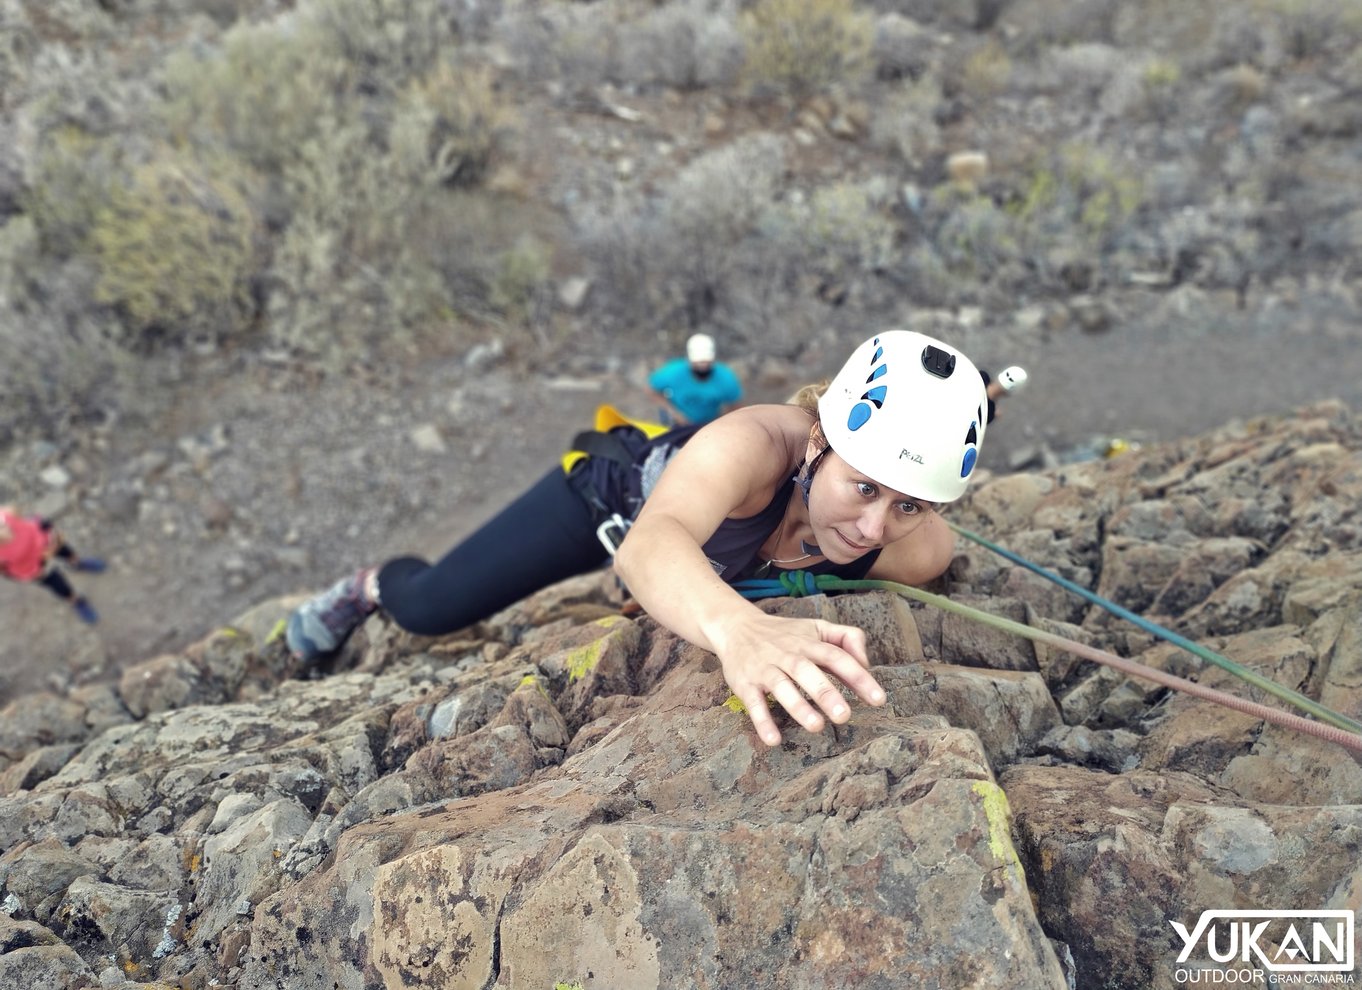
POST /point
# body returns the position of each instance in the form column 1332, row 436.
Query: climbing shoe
column 86, row 611
column 91, row 565
column 321, row 624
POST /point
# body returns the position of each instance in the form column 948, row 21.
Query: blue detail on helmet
column 876, row 395
column 860, row 415
column 877, row 373
column 971, row 455
column 879, row 353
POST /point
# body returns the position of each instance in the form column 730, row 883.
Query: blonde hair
column 807, row 397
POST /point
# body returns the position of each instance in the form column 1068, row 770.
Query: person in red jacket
column 30, row 547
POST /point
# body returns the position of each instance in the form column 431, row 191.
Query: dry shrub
column 902, row 49
column 840, row 231
column 1240, row 87
column 686, row 43
column 59, row 365
column 905, row 123
column 521, row 288
column 383, row 43
column 263, row 95
column 450, row 125
column 974, row 237
column 1161, row 88
column 177, row 253
column 689, row 44
column 1079, row 187
column 369, row 262
column 986, row 72
column 1034, row 25
column 677, row 261
column 374, row 265
column 802, row 47
column 335, row 266
column 70, row 184
column 1314, row 28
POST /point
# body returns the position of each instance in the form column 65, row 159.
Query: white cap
column 1012, row 379
column 908, row 412
column 700, row 349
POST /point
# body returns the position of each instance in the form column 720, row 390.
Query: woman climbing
column 843, row 480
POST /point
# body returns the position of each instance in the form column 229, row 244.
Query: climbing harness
column 617, row 438
column 795, row 584
column 634, row 452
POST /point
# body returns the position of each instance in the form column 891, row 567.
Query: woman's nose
column 872, row 523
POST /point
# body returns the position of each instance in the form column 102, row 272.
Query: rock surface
column 563, row 795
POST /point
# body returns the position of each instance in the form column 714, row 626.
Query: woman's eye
column 866, row 489
column 909, row 508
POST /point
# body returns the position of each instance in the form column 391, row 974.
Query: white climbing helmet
column 700, row 348
column 908, row 412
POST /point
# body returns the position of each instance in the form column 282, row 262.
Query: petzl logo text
column 1278, row 941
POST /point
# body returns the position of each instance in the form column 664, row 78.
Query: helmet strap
column 805, row 477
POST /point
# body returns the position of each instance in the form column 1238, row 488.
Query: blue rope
column 789, row 584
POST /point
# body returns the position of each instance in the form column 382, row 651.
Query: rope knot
column 797, row 584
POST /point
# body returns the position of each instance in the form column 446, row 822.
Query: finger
column 754, row 700
column 851, row 639
column 793, row 701
column 849, row 671
column 816, row 685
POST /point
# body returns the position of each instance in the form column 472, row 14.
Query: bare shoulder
column 738, row 459
column 921, row 556
column 778, row 429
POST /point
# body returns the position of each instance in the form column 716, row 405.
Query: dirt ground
column 305, row 482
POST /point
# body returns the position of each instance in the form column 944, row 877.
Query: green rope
column 798, row 583
column 1238, row 670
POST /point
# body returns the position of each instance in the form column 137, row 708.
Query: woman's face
column 852, row 514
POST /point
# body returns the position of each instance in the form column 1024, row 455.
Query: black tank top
column 733, row 549
column 624, row 483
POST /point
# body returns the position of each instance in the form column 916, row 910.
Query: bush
column 974, row 238
column 1160, row 82
column 59, row 365
column 449, row 126
column 378, row 253
column 382, row 43
column 1077, row 188
column 71, row 183
column 802, row 47
column 333, row 267
column 986, row 72
column 263, row 95
column 839, row 231
column 176, row 252
column 905, row 124
column 520, row 287
column 1315, row 28
column 689, row 44
column 674, row 261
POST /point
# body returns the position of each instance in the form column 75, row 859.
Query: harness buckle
column 611, row 532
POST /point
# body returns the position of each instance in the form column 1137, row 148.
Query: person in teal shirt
column 696, row 388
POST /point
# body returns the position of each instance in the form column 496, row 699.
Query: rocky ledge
column 564, row 796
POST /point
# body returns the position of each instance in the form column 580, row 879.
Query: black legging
column 545, row 536
column 55, row 582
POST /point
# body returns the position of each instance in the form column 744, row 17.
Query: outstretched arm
column 677, row 416
column 732, row 467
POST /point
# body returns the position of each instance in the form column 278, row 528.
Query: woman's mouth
column 852, row 546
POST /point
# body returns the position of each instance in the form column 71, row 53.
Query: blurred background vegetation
column 362, row 184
